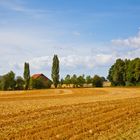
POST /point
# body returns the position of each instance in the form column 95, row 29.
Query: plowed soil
column 71, row 114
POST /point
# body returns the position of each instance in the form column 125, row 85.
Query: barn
column 40, row 81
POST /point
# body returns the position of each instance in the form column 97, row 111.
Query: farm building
column 40, row 81
column 37, row 76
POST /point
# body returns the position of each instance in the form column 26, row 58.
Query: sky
column 87, row 35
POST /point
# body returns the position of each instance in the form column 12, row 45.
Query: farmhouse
column 40, row 76
column 40, row 81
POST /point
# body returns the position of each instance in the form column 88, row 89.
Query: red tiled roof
column 36, row 76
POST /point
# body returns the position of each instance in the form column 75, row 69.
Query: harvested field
column 74, row 114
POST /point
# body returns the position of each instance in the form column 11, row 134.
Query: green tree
column 127, row 62
column 8, row 81
column 125, row 73
column 81, row 80
column 110, row 75
column 55, row 71
column 19, row 83
column 67, row 80
column 103, row 79
column 74, row 81
column 26, row 75
column 61, row 81
column 97, row 81
column 117, row 73
column 137, row 70
column 88, row 79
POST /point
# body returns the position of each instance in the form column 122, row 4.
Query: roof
column 35, row 76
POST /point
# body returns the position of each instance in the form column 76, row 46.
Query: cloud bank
column 133, row 41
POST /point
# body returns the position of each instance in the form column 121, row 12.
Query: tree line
column 10, row 82
column 75, row 81
column 122, row 73
column 79, row 81
column 125, row 72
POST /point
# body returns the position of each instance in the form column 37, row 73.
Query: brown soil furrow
column 68, row 120
column 109, row 125
column 76, row 114
column 85, row 118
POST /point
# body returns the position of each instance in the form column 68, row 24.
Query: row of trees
column 122, row 73
column 125, row 72
column 79, row 81
column 10, row 82
column 76, row 81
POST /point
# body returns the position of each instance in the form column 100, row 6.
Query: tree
column 19, row 83
column 74, row 81
column 61, row 81
column 137, row 70
column 125, row 73
column 8, row 81
column 127, row 62
column 26, row 75
column 110, row 75
column 117, row 73
column 103, row 79
column 88, row 79
column 67, row 80
column 55, row 71
column 97, row 81
column 81, row 80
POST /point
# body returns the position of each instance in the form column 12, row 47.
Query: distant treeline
column 80, row 81
column 122, row 73
column 125, row 72
column 10, row 82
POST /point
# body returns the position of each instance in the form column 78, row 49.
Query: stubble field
column 74, row 114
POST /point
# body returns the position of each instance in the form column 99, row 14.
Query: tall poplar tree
column 26, row 75
column 55, row 71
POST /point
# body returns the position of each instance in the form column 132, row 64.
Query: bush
column 19, row 83
column 97, row 81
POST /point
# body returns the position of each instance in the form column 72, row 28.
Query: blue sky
column 87, row 35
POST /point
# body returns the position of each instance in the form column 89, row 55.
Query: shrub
column 97, row 81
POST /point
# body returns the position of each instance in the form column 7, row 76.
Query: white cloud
column 131, row 41
column 29, row 40
column 38, row 63
column 72, row 61
column 132, row 54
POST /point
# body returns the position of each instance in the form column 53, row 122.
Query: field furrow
column 105, row 119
